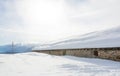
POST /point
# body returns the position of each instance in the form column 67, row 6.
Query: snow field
column 38, row 64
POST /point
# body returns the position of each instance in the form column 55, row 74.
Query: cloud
column 96, row 13
column 8, row 14
column 49, row 20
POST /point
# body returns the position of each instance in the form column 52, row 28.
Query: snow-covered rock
column 105, row 38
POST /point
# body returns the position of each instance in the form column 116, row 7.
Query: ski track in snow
column 38, row 64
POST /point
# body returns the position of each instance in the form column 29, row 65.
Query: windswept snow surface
column 105, row 38
column 38, row 64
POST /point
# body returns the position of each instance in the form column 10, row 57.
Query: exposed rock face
column 106, row 53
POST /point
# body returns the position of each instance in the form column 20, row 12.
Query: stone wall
column 105, row 53
column 109, row 54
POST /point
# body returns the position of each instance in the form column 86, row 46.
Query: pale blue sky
column 43, row 21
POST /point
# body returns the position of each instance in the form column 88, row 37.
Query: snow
column 104, row 38
column 39, row 64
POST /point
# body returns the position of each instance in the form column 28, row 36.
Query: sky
column 45, row 21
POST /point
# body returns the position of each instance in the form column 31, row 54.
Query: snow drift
column 105, row 38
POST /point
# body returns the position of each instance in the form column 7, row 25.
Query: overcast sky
column 43, row 21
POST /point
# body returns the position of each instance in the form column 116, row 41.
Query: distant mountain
column 17, row 48
column 105, row 38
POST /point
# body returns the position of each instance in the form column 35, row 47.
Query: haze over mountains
column 17, row 48
column 105, row 38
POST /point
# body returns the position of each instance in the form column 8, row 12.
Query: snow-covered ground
column 104, row 38
column 38, row 64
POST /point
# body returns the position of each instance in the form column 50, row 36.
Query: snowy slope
column 38, row 64
column 105, row 38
